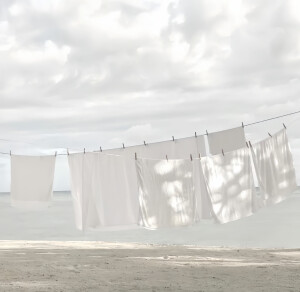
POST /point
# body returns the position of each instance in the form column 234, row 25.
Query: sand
column 99, row 266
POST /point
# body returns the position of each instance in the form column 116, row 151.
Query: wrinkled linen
column 101, row 191
column 177, row 149
column 32, row 181
column 227, row 140
column 166, row 193
column 274, row 167
column 230, row 184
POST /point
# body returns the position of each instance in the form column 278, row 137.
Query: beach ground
column 98, row 266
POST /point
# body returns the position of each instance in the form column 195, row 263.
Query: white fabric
column 230, row 184
column 166, row 193
column 274, row 167
column 102, row 195
column 31, row 181
column 177, row 149
column 228, row 140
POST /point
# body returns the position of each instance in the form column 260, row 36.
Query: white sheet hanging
column 228, row 140
column 166, row 193
column 177, row 149
column 230, row 184
column 103, row 196
column 274, row 167
column 32, row 181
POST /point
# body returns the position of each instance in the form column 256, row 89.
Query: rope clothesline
column 243, row 125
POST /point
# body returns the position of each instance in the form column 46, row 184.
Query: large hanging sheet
column 230, row 184
column 274, row 167
column 166, row 193
column 101, row 190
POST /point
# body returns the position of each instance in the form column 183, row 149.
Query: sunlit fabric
column 227, row 140
column 166, row 193
column 274, row 167
column 230, row 184
column 177, row 149
column 101, row 191
column 32, row 181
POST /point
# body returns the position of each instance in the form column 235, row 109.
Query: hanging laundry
column 103, row 196
column 227, row 140
column 230, row 184
column 31, row 181
column 177, row 149
column 274, row 167
column 166, row 193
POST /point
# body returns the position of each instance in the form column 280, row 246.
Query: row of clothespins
column 191, row 156
column 123, row 145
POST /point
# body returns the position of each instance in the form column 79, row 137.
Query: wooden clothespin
column 167, row 157
column 270, row 135
column 247, row 144
column 100, row 149
column 135, row 156
column 145, row 143
column 206, row 132
column 173, row 138
column 84, row 150
column 195, row 134
column 284, row 125
column 199, row 155
column 243, row 124
column 223, row 152
column 10, row 152
column 55, row 153
column 68, row 151
column 191, row 157
column 250, row 144
column 123, row 146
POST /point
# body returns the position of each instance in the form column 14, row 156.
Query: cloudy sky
column 99, row 73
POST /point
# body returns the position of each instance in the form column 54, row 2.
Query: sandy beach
column 98, row 266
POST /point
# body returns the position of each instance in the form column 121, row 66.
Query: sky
column 84, row 74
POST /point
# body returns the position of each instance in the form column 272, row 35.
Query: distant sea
column 272, row 227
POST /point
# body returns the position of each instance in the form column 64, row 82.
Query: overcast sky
column 99, row 73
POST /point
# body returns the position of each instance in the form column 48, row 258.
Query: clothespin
column 243, row 124
column 223, row 152
column 206, row 132
column 167, row 157
column 247, row 144
column 284, row 125
column 100, row 149
column 10, row 152
column 191, row 157
column 123, row 146
column 145, row 143
column 68, row 151
column 250, row 144
column 173, row 138
column 84, row 150
column 195, row 134
column 135, row 156
column 55, row 153
column 199, row 155
column 270, row 135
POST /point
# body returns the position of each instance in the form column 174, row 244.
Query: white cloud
column 90, row 73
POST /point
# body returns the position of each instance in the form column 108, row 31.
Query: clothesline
column 243, row 125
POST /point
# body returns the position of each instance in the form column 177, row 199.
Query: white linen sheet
column 166, row 193
column 274, row 167
column 227, row 140
column 32, row 181
column 101, row 191
column 230, row 184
